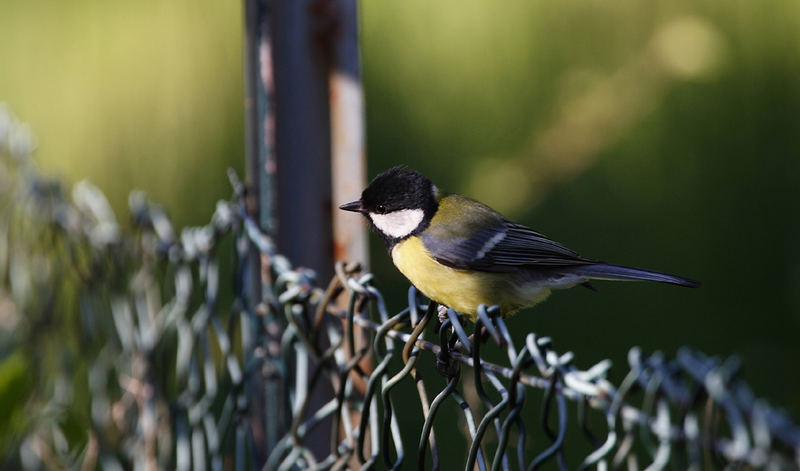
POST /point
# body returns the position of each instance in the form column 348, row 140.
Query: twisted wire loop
column 147, row 352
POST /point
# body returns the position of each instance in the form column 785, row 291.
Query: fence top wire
column 181, row 375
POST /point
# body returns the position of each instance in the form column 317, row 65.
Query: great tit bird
column 462, row 253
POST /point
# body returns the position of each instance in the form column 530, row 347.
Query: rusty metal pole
column 305, row 133
column 301, row 60
column 347, row 138
column 348, row 160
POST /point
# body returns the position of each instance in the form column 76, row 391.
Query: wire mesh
column 148, row 353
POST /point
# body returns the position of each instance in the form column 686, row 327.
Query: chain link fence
column 146, row 348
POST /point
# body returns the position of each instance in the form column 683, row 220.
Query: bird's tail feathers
column 603, row 271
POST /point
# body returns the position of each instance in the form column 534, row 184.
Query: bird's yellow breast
column 462, row 290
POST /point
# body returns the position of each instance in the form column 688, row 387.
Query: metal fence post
column 347, row 139
column 305, row 135
column 267, row 391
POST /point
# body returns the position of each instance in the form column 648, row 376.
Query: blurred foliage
column 659, row 134
column 130, row 94
column 14, row 389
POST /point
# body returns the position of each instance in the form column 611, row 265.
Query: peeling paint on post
column 347, row 137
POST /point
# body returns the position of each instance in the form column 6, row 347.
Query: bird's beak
column 355, row 206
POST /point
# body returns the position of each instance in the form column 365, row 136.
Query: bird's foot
column 442, row 310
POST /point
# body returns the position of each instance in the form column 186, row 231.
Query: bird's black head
column 398, row 203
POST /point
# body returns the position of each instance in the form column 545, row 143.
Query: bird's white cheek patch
column 398, row 224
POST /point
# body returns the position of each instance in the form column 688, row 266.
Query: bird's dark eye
column 381, row 209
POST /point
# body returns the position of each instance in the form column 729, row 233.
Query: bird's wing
column 466, row 234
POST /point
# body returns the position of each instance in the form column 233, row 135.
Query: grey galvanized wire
column 178, row 358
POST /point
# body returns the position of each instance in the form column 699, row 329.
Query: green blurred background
column 661, row 134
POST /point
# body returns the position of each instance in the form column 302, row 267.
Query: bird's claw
column 442, row 310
